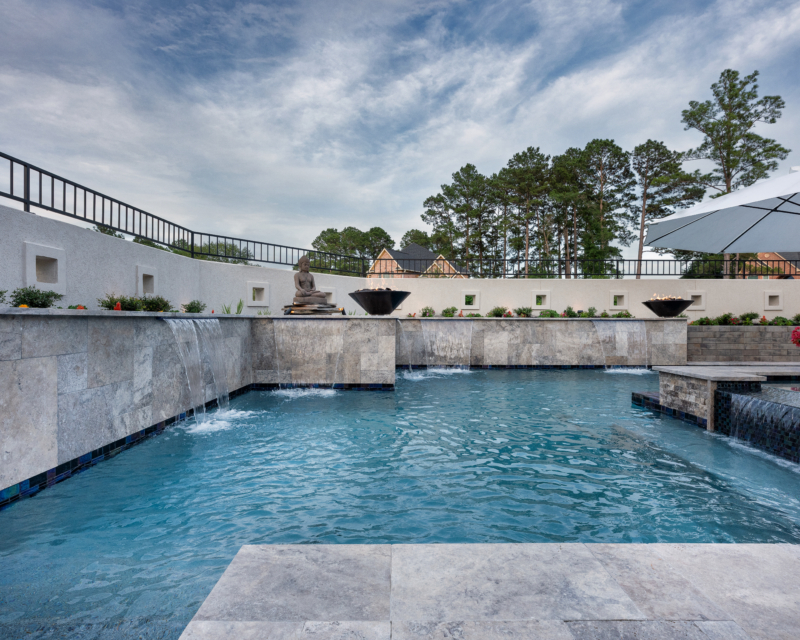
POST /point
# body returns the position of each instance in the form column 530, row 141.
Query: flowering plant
column 796, row 336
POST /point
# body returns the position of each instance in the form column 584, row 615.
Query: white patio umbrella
column 761, row 217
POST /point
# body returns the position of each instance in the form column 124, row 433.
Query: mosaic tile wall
column 501, row 342
column 652, row 402
column 769, row 426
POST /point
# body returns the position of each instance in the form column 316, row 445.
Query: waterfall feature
column 211, row 332
column 447, row 343
column 189, row 349
column 186, row 335
column 768, row 419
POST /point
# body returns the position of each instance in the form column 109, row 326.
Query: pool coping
column 557, row 591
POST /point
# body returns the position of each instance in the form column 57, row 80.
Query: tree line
column 569, row 214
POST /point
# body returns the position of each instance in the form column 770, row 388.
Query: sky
column 275, row 120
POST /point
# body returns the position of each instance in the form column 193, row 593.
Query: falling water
column 211, row 332
column 189, row 349
column 447, row 343
column 766, row 419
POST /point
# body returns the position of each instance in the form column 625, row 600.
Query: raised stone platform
column 493, row 591
column 690, row 389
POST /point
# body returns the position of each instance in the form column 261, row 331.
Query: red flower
column 796, row 336
column 118, row 306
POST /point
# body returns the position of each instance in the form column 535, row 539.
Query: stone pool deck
column 512, row 591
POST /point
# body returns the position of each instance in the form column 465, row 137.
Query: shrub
column 155, row 303
column 705, row 321
column 77, row 306
column 127, row 303
column 749, row 317
column 449, row 312
column 427, row 312
column 524, row 312
column 780, row 321
column 548, row 313
column 623, row 314
column 569, row 312
column 591, row 312
column 3, row 295
column 605, row 314
column 726, row 319
column 34, row 298
column 107, row 231
column 795, row 319
column 497, row 312
column 474, row 315
column 195, row 306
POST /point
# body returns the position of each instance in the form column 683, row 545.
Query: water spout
column 189, row 350
column 211, row 332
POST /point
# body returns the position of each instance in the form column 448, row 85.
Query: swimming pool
column 131, row 547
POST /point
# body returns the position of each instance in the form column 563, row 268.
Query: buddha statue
column 304, row 283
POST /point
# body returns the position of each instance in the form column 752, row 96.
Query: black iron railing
column 42, row 189
column 39, row 188
column 582, row 269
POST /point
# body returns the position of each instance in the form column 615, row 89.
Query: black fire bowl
column 379, row 302
column 668, row 308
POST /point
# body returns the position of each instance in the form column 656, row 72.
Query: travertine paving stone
column 757, row 584
column 493, row 630
column 303, row 582
column 506, row 591
column 202, row 630
column 659, row 591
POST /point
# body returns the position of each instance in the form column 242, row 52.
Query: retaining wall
column 92, row 264
column 504, row 342
column 741, row 344
column 72, row 383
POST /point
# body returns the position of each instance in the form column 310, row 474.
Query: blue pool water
column 132, row 547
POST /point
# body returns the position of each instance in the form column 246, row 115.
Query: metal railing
column 582, row 269
column 42, row 189
column 36, row 187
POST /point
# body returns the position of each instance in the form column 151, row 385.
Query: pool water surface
column 131, row 547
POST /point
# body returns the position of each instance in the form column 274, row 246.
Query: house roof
column 414, row 257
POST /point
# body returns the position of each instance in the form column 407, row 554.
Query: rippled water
column 132, row 547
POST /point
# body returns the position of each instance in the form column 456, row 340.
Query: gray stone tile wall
column 530, row 342
column 71, row 384
column 352, row 351
column 687, row 394
column 741, row 344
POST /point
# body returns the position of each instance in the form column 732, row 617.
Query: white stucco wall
column 97, row 264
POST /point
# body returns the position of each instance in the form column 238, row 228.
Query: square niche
column 146, row 280
column 773, row 301
column 698, row 299
column 257, row 294
column 470, row 300
column 618, row 300
column 540, row 300
column 45, row 268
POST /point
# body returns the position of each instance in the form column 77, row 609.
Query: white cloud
column 364, row 110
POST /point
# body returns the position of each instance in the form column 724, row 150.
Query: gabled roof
column 417, row 258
